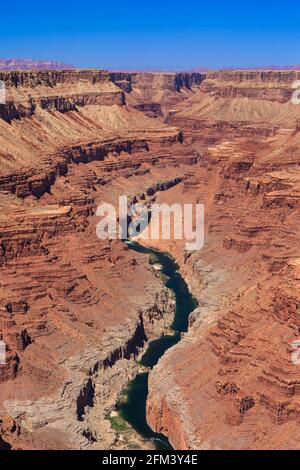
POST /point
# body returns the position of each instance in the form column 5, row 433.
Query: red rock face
column 231, row 382
column 75, row 312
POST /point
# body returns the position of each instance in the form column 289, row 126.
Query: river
column 133, row 408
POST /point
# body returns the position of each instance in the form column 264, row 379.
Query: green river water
column 133, row 408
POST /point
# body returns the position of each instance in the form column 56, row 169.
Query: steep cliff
column 156, row 93
column 31, row 64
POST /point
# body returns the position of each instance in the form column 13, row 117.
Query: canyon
column 77, row 313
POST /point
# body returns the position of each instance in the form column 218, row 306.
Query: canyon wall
column 73, row 316
column 156, row 93
column 233, row 382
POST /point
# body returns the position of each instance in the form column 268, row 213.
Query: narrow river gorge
column 131, row 407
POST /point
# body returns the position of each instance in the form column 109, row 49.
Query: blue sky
column 131, row 33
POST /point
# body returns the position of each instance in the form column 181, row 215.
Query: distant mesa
column 31, row 64
column 266, row 67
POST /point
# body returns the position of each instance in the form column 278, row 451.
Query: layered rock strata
column 73, row 315
column 232, row 382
